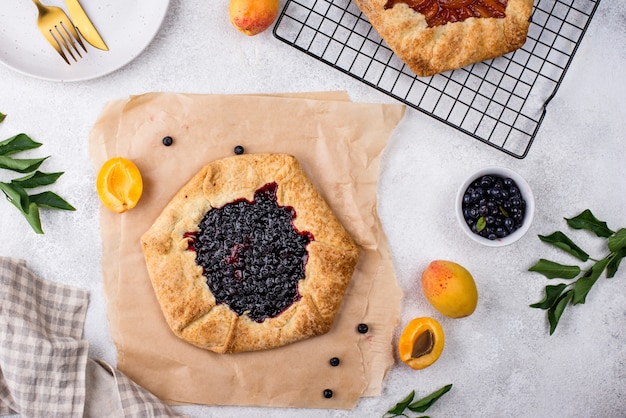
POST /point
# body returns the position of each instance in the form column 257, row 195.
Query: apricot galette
column 433, row 36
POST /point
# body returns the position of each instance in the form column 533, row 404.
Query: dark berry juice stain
column 252, row 254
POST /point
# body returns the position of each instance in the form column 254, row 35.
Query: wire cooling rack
column 501, row 102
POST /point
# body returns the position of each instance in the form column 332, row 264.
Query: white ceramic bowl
column 527, row 195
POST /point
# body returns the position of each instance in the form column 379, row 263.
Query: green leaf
column 426, row 402
column 399, row 408
column 618, row 241
column 17, row 143
column 37, row 179
column 481, row 224
column 584, row 284
column 559, row 296
column 51, row 200
column 615, row 260
column 16, row 195
column 552, row 294
column 587, row 221
column 553, row 270
column 555, row 312
column 19, row 198
column 2, row 117
column 21, row 165
column 560, row 240
column 32, row 216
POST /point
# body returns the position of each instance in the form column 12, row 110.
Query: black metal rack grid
column 501, row 102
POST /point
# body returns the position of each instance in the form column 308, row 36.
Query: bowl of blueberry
column 495, row 206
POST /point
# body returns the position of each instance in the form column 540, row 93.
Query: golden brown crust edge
column 428, row 51
column 185, row 299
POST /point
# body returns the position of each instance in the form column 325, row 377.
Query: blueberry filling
column 252, row 254
column 493, row 206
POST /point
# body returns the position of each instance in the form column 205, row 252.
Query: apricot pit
column 421, row 343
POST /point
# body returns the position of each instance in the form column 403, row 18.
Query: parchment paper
column 339, row 144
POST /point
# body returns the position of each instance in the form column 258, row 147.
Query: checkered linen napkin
column 44, row 366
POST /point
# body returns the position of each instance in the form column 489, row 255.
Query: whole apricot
column 421, row 343
column 450, row 288
column 252, row 16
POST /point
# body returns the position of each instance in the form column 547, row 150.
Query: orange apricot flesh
column 421, row 343
column 119, row 184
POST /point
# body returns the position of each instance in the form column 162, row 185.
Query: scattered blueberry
column 252, row 255
column 239, row 150
column 168, row 140
column 362, row 328
column 328, row 393
column 493, row 206
column 334, row 361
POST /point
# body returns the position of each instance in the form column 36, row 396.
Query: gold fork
column 59, row 30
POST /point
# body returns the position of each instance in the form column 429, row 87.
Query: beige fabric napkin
column 44, row 364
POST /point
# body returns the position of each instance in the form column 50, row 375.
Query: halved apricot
column 421, row 342
column 119, row 184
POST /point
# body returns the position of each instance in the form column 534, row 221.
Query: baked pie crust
column 189, row 306
column 431, row 50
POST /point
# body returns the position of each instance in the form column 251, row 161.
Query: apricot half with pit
column 450, row 288
column 119, row 184
column 421, row 342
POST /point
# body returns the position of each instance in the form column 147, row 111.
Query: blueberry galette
column 248, row 256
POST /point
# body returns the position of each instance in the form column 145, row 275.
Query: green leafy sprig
column 418, row 406
column 559, row 296
column 16, row 191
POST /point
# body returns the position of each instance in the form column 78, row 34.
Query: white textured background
column 501, row 360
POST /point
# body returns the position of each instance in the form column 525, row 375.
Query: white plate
column 127, row 27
